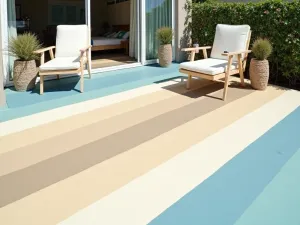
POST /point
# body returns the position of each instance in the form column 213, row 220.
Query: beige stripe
column 61, row 200
column 72, row 123
column 77, row 159
column 32, row 154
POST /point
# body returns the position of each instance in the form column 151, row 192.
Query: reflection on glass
column 158, row 14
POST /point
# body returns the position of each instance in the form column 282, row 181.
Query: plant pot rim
column 20, row 60
column 259, row 59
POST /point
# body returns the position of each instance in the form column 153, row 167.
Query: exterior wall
column 2, row 94
column 182, row 35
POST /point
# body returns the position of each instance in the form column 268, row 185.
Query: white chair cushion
column 62, row 63
column 70, row 39
column 229, row 38
column 207, row 66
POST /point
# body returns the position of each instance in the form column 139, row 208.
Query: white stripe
column 146, row 197
column 23, row 123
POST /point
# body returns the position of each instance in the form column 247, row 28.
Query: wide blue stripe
column 279, row 203
column 223, row 197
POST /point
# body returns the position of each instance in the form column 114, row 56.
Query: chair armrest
column 195, row 48
column 235, row 53
column 44, row 50
column 85, row 49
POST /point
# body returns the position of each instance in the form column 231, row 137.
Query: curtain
column 158, row 14
column 11, row 31
column 133, row 28
column 2, row 80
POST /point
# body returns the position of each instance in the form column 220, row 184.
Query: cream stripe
column 149, row 195
column 38, row 119
column 32, row 154
column 72, row 123
column 47, row 207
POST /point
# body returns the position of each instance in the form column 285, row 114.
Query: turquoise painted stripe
column 279, row 203
column 223, row 197
column 23, row 104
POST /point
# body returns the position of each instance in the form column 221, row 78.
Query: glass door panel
column 158, row 14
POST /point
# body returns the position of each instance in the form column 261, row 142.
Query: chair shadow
column 194, row 92
column 172, row 79
column 62, row 84
column 206, row 90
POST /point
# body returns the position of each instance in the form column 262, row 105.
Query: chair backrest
column 230, row 38
column 70, row 39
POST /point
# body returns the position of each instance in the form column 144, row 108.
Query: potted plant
column 24, row 72
column 259, row 66
column 165, row 37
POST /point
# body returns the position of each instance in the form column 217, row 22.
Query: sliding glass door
column 155, row 14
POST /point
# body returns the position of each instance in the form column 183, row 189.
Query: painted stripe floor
column 63, row 92
column 151, row 153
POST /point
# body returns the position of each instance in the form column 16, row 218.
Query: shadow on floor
column 63, row 84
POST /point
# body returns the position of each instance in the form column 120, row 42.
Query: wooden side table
column 125, row 45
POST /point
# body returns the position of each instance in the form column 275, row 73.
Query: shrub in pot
column 259, row 66
column 24, row 72
column 165, row 37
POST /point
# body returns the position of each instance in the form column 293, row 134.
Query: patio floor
column 138, row 148
column 66, row 90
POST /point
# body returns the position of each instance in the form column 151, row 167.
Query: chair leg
column 225, row 87
column 89, row 69
column 188, row 83
column 81, row 80
column 241, row 70
column 227, row 78
column 41, row 85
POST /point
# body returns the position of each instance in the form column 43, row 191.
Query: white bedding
column 97, row 41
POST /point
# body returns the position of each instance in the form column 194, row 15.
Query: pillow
column 106, row 34
column 116, row 34
column 111, row 35
column 126, row 35
column 121, row 34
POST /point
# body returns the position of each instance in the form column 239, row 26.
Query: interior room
column 109, row 19
column 110, row 31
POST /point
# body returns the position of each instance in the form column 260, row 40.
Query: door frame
column 143, row 28
column 4, row 42
column 138, row 38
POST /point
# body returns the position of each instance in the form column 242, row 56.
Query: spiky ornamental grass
column 164, row 35
column 23, row 46
column 262, row 49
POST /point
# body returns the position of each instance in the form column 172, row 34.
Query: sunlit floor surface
column 138, row 148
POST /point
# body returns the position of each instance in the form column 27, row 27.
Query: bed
column 105, row 43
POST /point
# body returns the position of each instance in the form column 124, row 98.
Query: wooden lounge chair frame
column 83, row 61
column 240, row 70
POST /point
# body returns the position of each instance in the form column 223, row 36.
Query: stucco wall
column 182, row 35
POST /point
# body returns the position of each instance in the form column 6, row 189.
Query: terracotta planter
column 25, row 73
column 259, row 74
column 165, row 55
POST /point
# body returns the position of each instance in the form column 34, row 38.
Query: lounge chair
column 228, row 56
column 71, row 55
